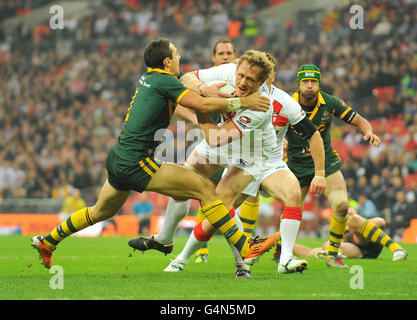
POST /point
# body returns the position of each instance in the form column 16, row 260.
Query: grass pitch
column 106, row 268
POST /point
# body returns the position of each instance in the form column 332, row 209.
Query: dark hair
column 223, row 40
column 156, row 51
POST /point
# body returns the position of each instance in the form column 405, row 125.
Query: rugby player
column 321, row 108
column 223, row 52
column 363, row 239
column 274, row 178
column 131, row 165
column 248, row 76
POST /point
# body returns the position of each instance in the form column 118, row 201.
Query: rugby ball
column 227, row 88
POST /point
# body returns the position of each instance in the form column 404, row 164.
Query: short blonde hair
column 259, row 59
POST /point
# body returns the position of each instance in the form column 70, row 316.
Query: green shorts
column 217, row 176
column 128, row 175
column 304, row 168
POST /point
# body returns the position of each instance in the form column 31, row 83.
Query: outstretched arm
column 366, row 130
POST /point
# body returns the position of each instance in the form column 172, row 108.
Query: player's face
column 309, row 88
column 175, row 61
column 247, row 79
column 224, row 54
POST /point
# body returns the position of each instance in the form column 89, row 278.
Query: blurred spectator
column 377, row 192
column 60, row 110
column 266, row 216
column 143, row 209
column 72, row 202
column 401, row 214
column 366, row 207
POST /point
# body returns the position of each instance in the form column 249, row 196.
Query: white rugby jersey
column 286, row 112
column 255, row 126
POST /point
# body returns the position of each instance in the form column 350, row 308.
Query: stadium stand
column 64, row 93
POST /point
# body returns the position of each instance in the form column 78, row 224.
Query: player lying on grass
column 131, row 164
column 363, row 239
column 274, row 178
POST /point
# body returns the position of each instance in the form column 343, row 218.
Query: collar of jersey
column 320, row 100
column 159, row 70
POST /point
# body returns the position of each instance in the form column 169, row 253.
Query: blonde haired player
column 274, row 171
column 223, row 52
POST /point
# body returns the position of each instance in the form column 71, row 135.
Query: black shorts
column 128, row 175
column 304, row 169
column 371, row 250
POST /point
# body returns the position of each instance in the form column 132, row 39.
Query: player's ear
column 167, row 62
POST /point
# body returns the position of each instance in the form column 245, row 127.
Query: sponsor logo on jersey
column 244, row 121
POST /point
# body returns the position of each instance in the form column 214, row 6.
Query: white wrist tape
column 233, row 104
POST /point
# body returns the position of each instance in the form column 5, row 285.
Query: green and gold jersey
column 151, row 109
column 321, row 115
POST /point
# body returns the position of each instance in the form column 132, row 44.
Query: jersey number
column 277, row 119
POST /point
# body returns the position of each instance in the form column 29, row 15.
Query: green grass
column 104, row 268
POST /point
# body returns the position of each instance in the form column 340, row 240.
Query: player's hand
column 213, row 91
column 318, row 185
column 372, row 138
column 255, row 102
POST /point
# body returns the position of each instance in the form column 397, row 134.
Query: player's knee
column 341, row 212
column 293, row 196
column 343, row 208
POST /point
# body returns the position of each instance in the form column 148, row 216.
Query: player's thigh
column 283, row 185
column 109, row 201
column 198, row 163
column 232, row 184
column 336, row 191
column 335, row 182
column 179, row 182
column 350, row 250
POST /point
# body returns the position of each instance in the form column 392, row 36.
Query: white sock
column 289, row 230
column 176, row 210
column 190, row 248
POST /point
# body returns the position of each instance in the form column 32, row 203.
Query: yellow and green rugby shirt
column 321, row 115
column 151, row 109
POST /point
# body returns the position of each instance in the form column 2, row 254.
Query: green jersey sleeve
column 172, row 88
column 342, row 110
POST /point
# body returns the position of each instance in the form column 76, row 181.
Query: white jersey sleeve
column 287, row 107
column 224, row 72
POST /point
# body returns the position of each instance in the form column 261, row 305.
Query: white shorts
column 268, row 169
column 223, row 157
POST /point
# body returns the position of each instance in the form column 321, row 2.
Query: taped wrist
column 233, row 104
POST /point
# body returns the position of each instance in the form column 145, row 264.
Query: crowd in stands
column 61, row 108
